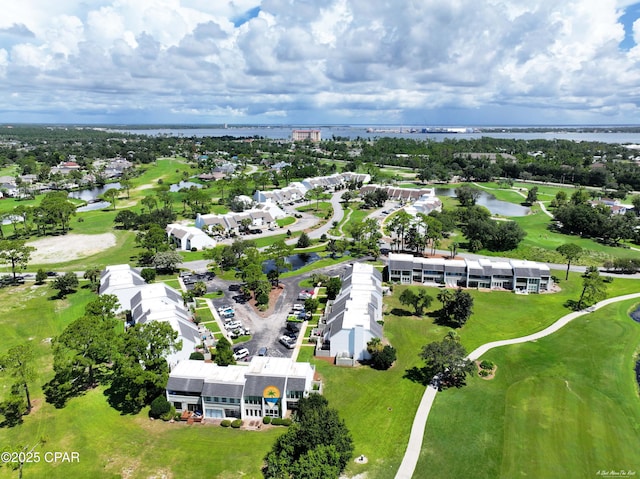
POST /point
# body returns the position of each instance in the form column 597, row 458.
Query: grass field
column 113, row 445
column 382, row 401
column 566, row 403
column 497, row 316
column 563, row 406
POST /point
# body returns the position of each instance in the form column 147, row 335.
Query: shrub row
column 236, row 423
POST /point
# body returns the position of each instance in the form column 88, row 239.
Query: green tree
column 148, row 274
column 419, row 299
column 41, row 276
column 154, row 239
column 224, row 353
column 65, row 284
column 111, row 195
column 594, row 288
column 85, row 345
column 571, row 252
column 151, row 202
column 446, row 360
column 16, row 253
column 103, row 307
column 303, row 241
column 125, row 185
column 316, row 194
column 92, row 273
column 457, row 306
column 311, row 305
column 316, row 445
column 55, row 209
column 383, row 358
column 140, row 371
column 166, row 260
column 467, row 195
column 635, row 201
column 399, row 225
column 532, row 195
column 18, row 364
column 333, row 287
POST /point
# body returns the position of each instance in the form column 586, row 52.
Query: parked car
column 241, row 354
column 262, row 351
column 233, row 325
column 298, row 307
column 287, row 342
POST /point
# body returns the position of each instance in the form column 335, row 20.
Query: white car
column 288, row 342
column 241, row 354
column 233, row 325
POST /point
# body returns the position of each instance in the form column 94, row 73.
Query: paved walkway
column 412, row 453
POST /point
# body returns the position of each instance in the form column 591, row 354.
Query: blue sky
column 411, row 62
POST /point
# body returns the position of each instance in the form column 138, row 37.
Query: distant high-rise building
column 301, row 135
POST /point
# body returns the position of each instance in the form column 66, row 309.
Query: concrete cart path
column 412, row 453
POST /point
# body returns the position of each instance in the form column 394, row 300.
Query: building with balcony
column 354, row 317
column 267, row 386
column 514, row 275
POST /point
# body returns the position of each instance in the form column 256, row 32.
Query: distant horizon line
column 319, row 125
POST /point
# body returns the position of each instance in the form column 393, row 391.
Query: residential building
column 515, row 275
column 188, row 237
column 159, row 302
column 151, row 302
column 231, row 223
column 296, row 191
column 354, row 317
column 267, row 386
column 400, row 194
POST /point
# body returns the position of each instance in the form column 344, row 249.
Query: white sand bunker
column 60, row 249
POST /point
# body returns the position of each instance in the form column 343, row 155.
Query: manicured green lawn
column 204, row 314
column 323, row 209
column 113, row 445
column 497, row 316
column 563, row 406
column 286, row 221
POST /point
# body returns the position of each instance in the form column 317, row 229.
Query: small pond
column 636, row 314
column 91, row 194
column 183, row 184
column 296, row 261
column 93, row 206
column 495, row 206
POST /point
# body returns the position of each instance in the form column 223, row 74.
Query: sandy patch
column 60, row 249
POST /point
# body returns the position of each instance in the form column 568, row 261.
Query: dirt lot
column 59, row 249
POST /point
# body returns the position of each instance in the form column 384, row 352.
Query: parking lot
column 265, row 332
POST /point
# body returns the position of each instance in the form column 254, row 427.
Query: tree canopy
column 316, row 445
column 457, row 307
column 445, row 362
column 16, row 253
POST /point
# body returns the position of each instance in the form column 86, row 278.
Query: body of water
column 296, row 261
column 496, row 207
column 183, row 184
column 91, row 194
column 636, row 315
column 327, row 132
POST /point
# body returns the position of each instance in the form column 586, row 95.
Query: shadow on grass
column 418, row 375
column 401, row 312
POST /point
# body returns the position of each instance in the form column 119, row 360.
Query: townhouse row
column 515, row 275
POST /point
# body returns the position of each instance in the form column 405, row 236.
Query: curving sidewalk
column 412, row 453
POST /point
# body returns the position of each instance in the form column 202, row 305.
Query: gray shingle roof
column 192, row 385
column 222, row 390
column 255, row 385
